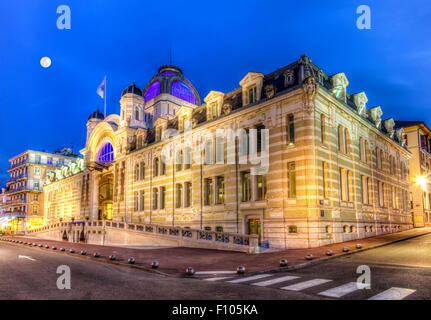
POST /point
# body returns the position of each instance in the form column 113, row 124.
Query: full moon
column 45, row 62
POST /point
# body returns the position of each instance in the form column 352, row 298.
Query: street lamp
column 422, row 182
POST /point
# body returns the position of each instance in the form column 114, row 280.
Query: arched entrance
column 106, row 188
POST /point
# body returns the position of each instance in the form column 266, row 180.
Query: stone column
column 94, row 195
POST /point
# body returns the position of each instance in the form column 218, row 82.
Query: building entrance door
column 254, row 226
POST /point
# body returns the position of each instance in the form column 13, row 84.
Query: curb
column 77, row 255
column 323, row 259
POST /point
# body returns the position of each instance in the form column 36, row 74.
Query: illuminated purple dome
column 170, row 80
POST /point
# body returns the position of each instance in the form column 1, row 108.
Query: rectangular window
column 246, row 186
column 260, row 138
column 155, row 198
column 141, row 200
column 162, row 197
column 208, row 191
column 252, row 95
column 364, row 189
column 323, row 129
column 341, row 143
column 178, row 195
column 260, row 187
column 292, row 179
column 380, row 193
column 220, row 190
column 290, row 129
column 187, row 194
column 325, row 180
column 293, row 229
column 142, row 171
column 208, row 152
column 220, row 150
column 135, row 201
column 344, row 185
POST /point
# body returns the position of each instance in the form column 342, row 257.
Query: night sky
column 215, row 43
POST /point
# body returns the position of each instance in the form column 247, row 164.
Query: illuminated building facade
column 22, row 199
column 418, row 139
column 330, row 169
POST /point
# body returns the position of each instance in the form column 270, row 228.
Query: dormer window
column 288, row 78
column 214, row 110
column 158, row 133
column 252, row 95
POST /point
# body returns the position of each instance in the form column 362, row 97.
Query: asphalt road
column 400, row 271
column 22, row 278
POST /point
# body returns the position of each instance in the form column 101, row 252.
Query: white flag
column 101, row 90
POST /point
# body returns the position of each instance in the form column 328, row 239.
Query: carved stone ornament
column 310, row 88
column 376, row 115
column 226, row 109
column 360, row 100
column 269, row 91
column 389, row 126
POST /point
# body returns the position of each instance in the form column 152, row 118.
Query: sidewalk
column 174, row 261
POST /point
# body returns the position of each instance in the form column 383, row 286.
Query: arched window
column 106, row 153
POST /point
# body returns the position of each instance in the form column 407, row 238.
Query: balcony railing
column 25, row 188
column 45, row 163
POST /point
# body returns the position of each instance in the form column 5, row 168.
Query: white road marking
column 258, row 276
column 214, row 272
column 26, row 257
column 273, row 281
column 306, row 284
column 217, row 278
column 393, row 293
column 340, row 291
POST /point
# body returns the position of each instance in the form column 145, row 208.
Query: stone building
column 22, row 199
column 290, row 156
column 418, row 139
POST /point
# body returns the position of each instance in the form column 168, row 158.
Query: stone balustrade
column 182, row 236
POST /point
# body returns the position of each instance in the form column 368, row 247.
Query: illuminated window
column 106, row 153
column 292, row 179
column 182, row 91
column 220, row 190
column 152, row 91
column 260, row 187
column 208, row 189
column 293, row 229
column 246, row 186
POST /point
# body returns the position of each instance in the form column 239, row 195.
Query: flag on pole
column 101, row 90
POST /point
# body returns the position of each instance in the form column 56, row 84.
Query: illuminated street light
column 422, row 182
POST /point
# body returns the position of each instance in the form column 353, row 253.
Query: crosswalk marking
column 256, row 277
column 217, row 278
column 306, row 284
column 214, row 272
column 340, row 291
column 273, row 281
column 393, row 293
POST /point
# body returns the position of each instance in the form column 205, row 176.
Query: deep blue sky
column 215, row 42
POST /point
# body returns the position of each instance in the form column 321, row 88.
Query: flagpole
column 105, row 99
